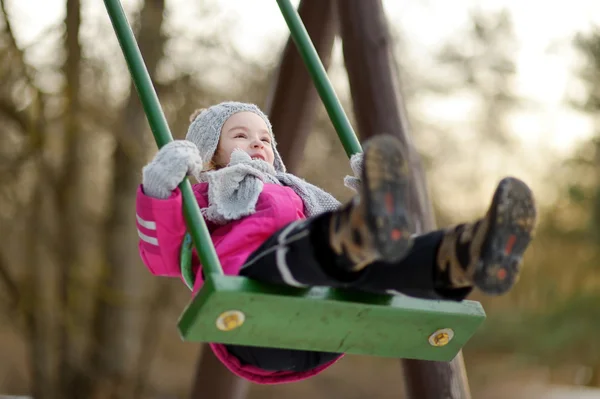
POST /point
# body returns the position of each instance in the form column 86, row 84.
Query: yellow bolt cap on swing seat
column 441, row 337
column 230, row 320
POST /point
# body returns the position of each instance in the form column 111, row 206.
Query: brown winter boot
column 375, row 224
column 488, row 253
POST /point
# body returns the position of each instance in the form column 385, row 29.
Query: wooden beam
column 293, row 98
column 378, row 107
column 214, row 381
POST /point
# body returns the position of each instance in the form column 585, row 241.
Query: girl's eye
column 240, row 135
column 268, row 141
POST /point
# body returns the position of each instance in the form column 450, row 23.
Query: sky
column 544, row 30
column 540, row 25
column 543, row 74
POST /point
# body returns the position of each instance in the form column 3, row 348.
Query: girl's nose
column 257, row 144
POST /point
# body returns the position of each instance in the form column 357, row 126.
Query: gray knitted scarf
column 234, row 190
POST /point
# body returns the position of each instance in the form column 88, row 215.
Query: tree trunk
column 291, row 108
column 35, row 307
column 32, row 297
column 68, row 192
column 379, row 109
column 117, row 323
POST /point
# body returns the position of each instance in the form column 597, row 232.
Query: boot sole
column 511, row 219
column 385, row 187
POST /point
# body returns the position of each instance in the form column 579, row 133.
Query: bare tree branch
column 33, row 307
column 13, row 43
column 11, row 166
column 66, row 190
column 113, row 324
column 8, row 109
column 37, row 105
column 9, row 282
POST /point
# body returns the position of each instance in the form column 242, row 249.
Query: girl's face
column 248, row 132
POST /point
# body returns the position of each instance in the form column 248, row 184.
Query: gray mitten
column 356, row 163
column 169, row 167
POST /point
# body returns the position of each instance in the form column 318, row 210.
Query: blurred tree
column 552, row 315
column 120, row 290
column 22, row 105
column 73, row 145
column 481, row 63
column 462, row 99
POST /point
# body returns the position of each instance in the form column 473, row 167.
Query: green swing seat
column 237, row 310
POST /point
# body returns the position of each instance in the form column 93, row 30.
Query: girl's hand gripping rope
column 356, row 164
column 169, row 167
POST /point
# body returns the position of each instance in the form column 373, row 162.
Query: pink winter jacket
column 161, row 229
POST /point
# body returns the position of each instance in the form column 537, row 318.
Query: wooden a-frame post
column 378, row 107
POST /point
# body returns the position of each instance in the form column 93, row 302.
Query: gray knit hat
column 205, row 129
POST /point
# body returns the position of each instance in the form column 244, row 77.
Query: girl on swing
column 274, row 227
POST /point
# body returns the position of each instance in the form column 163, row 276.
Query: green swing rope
column 162, row 135
column 199, row 235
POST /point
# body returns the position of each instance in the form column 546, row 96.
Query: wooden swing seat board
column 237, row 310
